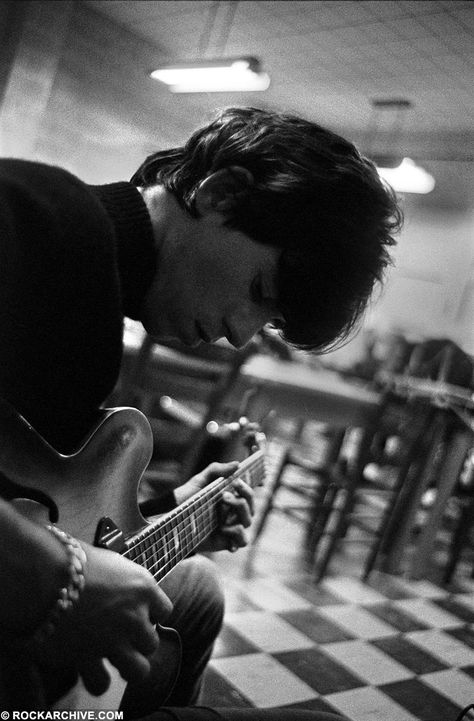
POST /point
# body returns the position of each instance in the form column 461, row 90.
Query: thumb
column 216, row 470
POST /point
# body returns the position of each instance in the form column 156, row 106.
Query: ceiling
column 329, row 60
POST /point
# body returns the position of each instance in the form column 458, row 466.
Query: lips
column 226, row 332
column 231, row 336
column 203, row 334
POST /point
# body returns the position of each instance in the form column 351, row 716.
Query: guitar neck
column 168, row 540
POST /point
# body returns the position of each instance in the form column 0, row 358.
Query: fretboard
column 161, row 545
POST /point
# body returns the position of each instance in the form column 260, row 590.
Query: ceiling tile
column 325, row 57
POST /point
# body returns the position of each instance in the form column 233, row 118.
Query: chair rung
column 307, row 465
column 300, row 490
column 359, row 523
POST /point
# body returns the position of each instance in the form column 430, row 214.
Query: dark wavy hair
column 313, row 195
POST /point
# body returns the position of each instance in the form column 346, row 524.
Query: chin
column 190, row 342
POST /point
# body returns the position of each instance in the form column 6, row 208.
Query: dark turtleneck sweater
column 74, row 259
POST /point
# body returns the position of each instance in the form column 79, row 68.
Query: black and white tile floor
column 387, row 650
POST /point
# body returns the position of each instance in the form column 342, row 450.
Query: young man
column 260, row 218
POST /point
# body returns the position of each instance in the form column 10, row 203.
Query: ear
column 221, row 190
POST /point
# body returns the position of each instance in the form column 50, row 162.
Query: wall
column 78, row 93
column 430, row 292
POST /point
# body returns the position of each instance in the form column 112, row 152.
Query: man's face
column 212, row 282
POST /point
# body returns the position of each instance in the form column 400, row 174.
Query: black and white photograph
column 237, row 360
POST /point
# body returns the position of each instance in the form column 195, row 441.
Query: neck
column 156, row 200
column 162, row 544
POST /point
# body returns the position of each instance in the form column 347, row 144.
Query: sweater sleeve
column 60, row 306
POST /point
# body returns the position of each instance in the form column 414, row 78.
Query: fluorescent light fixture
column 214, row 76
column 408, row 177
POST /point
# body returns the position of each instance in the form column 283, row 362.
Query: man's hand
column 114, row 619
column 235, row 511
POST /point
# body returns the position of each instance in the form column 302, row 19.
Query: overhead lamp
column 387, row 123
column 220, row 75
column 408, row 177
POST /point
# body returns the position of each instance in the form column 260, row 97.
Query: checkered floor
column 388, row 650
column 391, row 650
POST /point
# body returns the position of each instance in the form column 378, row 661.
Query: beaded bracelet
column 68, row 595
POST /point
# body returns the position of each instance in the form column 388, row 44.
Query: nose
column 243, row 325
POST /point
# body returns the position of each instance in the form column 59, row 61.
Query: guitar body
column 99, row 480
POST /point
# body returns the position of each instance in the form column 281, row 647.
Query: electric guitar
column 92, row 494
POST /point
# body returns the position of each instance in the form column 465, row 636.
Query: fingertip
column 95, row 678
column 237, row 533
column 162, row 607
column 168, row 602
column 132, row 666
column 140, row 671
column 165, row 606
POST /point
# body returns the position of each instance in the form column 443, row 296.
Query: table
column 296, row 390
column 450, row 401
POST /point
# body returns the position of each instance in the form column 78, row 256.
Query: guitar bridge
column 108, row 535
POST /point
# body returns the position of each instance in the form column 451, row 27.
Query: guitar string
column 146, row 542
column 206, row 522
column 175, row 532
column 160, row 569
column 219, row 486
column 172, row 532
column 164, row 551
column 162, row 557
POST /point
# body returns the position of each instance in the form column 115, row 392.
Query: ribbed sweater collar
column 134, row 235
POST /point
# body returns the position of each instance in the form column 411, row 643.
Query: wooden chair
column 316, row 399
column 462, row 535
column 183, row 393
column 371, row 503
column 302, row 471
column 434, row 491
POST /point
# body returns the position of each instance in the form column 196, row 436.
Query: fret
column 140, row 553
column 166, row 550
column 201, row 527
column 176, row 541
column 151, row 552
column 185, row 538
column 162, row 544
column 145, row 545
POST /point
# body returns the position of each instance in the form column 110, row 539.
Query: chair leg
column 264, row 514
column 387, row 525
column 323, row 501
column 450, row 471
column 335, row 523
column 320, row 509
column 269, row 500
column 416, row 473
column 460, row 538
